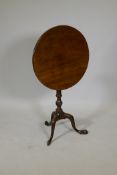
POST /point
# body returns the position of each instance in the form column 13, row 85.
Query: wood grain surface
column 60, row 57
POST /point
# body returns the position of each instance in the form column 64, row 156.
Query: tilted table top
column 60, row 57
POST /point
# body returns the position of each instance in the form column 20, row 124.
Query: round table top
column 60, row 57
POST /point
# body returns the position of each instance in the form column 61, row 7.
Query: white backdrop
column 21, row 24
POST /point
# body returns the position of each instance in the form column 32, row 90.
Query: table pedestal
column 58, row 114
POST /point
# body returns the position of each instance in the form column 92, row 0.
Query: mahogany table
column 60, row 60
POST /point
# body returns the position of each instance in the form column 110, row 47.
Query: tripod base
column 58, row 115
column 55, row 118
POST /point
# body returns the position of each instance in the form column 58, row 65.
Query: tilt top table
column 60, row 60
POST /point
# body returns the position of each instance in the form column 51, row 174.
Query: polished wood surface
column 60, row 60
column 60, row 57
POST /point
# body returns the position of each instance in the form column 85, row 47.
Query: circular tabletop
column 60, row 57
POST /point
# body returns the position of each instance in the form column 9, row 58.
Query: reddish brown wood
column 60, row 57
column 58, row 114
column 60, row 60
